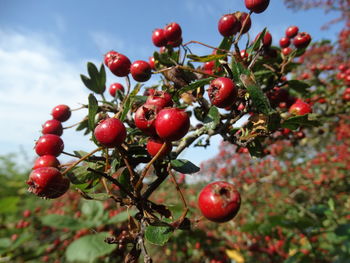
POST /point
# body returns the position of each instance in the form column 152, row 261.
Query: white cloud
column 35, row 76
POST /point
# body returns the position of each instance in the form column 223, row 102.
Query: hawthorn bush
column 283, row 171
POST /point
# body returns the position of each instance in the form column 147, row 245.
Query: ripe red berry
column 286, row 51
column 267, row 39
column 49, row 144
column 110, row 132
column 222, row 92
column 242, row 16
column 114, row 87
column 158, row 38
column 151, row 62
column 154, row 145
column 284, row 42
column 172, row 32
column 160, row 99
column 26, row 213
column 257, row 6
column 118, row 64
column 172, row 124
column 292, row 31
column 145, row 117
column 244, row 54
column 228, row 25
column 175, row 43
column 46, row 161
column 300, row 108
column 47, row 182
column 61, row 113
column 302, row 40
column 219, row 201
column 141, row 71
column 52, row 127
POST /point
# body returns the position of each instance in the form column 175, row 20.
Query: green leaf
column 206, row 58
column 93, row 211
column 195, row 85
column 93, row 109
column 9, row 204
column 343, row 230
column 259, row 99
column 256, row 43
column 225, row 44
column 184, row 166
column 80, row 174
column 158, row 235
column 238, row 69
column 299, row 86
column 129, row 101
column 213, row 118
column 89, row 248
column 62, row 221
column 121, row 217
column 97, row 80
column 295, row 122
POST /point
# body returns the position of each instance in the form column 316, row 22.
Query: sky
column 45, row 45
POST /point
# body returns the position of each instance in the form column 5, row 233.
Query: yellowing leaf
column 235, row 255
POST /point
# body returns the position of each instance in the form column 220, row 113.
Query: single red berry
column 292, row 31
column 286, row 51
column 158, row 38
column 172, row 32
column 284, row 42
column 145, row 117
column 49, row 144
column 245, row 20
column 108, row 56
column 110, row 132
column 52, row 127
column 46, row 161
column 219, row 201
column 342, row 67
column 141, row 71
column 172, row 124
column 114, row 87
column 229, row 25
column 346, row 95
column 244, row 54
column 26, row 213
column 222, row 92
column 61, row 113
column 300, row 108
column 160, row 99
column 302, row 40
column 152, row 63
column 154, row 145
column 119, row 64
column 47, row 182
column 267, row 39
column 209, row 66
column 257, row 6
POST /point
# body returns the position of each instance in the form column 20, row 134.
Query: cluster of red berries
column 121, row 66
column 300, row 40
column 46, row 180
column 170, row 35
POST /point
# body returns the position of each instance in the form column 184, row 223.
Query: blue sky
column 44, row 46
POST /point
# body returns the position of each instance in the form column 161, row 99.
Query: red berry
column 266, row 40
column 49, row 144
column 61, row 113
column 52, row 127
column 292, row 31
column 172, row 32
column 110, row 132
column 244, row 54
column 284, row 42
column 158, row 38
column 151, row 62
column 118, row 64
column 222, row 92
column 229, row 25
column 342, row 67
column 300, row 108
column 257, row 6
column 219, row 201
column 26, row 213
column 286, row 51
column 242, row 16
column 145, row 117
column 175, row 43
column 154, row 146
column 160, row 99
column 46, row 161
column 141, row 71
column 302, row 40
column 108, row 56
column 114, row 87
column 47, row 182
column 172, row 124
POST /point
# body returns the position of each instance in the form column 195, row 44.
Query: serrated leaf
column 81, row 175
column 184, row 166
column 259, row 99
column 93, row 109
column 213, row 118
column 158, row 235
column 206, row 58
column 295, row 122
column 129, row 101
column 298, row 86
column 92, row 70
column 62, row 221
column 89, row 248
column 194, row 85
column 238, row 69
